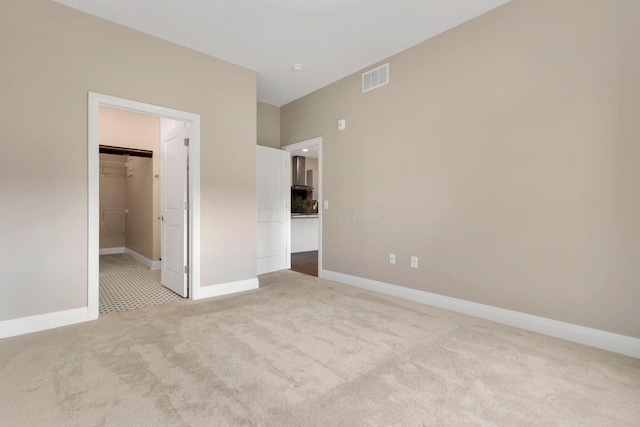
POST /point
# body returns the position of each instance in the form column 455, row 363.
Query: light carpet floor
column 128, row 290
column 302, row 351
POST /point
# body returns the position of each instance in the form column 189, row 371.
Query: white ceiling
column 311, row 153
column 330, row 38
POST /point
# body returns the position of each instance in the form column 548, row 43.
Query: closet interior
column 126, row 201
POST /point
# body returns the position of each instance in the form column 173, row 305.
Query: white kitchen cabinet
column 304, row 233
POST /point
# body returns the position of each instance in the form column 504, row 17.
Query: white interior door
column 274, row 212
column 174, row 152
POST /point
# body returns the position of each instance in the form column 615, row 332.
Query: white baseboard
column 153, row 265
column 609, row 341
column 226, row 288
column 42, row 322
column 111, row 251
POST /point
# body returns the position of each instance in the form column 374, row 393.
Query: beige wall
column 140, row 204
column 113, row 201
column 268, row 125
column 310, row 164
column 120, row 128
column 52, row 57
column 504, row 153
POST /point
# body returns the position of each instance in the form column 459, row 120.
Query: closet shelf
column 116, row 169
column 117, row 164
column 114, row 210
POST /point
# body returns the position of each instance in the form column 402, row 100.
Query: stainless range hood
column 299, row 174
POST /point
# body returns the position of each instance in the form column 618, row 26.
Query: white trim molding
column 153, row 265
column 308, row 143
column 227, row 288
column 609, row 341
column 111, row 251
column 95, row 101
column 42, row 322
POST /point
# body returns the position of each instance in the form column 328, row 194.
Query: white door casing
column 95, row 101
column 174, row 208
column 273, row 201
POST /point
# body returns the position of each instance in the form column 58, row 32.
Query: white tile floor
column 126, row 284
column 119, row 262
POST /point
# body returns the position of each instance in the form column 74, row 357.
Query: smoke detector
column 296, row 67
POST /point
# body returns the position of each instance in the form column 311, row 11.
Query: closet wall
column 139, row 200
column 121, row 128
column 112, row 201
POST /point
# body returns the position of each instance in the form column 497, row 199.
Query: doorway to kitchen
column 306, row 206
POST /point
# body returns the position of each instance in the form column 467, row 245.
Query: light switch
column 326, row 204
column 414, row 262
column 342, row 124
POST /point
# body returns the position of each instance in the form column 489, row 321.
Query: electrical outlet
column 392, row 258
column 414, row 262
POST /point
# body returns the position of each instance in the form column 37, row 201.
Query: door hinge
column 186, row 269
column 186, row 142
column 186, row 205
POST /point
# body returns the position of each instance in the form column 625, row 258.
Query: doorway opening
column 144, row 226
column 131, row 216
column 129, row 260
column 305, row 227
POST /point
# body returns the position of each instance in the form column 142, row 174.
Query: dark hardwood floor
column 305, row 263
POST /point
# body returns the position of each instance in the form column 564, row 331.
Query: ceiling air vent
column 375, row 78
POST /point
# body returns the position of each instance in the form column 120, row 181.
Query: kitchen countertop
column 299, row 215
